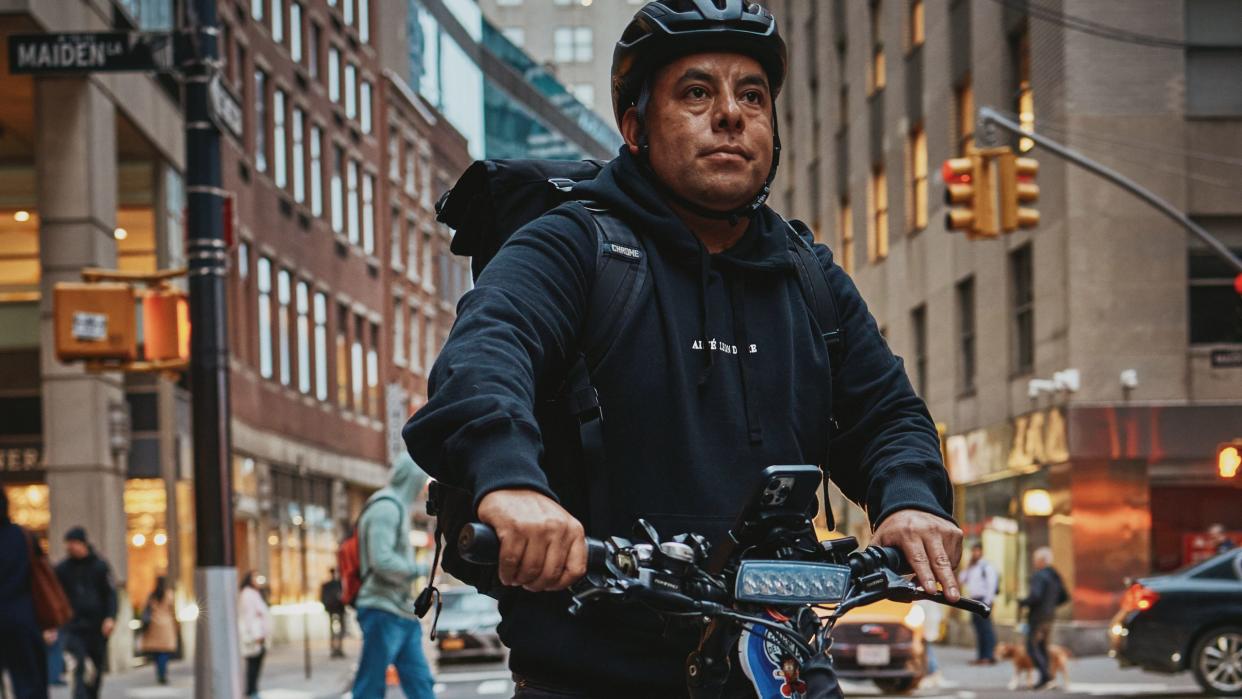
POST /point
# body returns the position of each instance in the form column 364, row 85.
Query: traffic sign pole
column 217, row 663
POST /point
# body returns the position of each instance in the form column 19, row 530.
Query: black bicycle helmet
column 665, row 30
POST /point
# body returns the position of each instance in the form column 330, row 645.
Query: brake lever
column 909, row 592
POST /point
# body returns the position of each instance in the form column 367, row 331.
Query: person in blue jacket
column 22, row 652
column 720, row 372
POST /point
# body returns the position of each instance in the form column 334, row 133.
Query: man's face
column 76, row 549
column 709, row 125
column 976, row 553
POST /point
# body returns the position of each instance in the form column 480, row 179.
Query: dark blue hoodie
column 720, row 373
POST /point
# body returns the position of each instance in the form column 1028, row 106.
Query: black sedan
column 467, row 627
column 1188, row 620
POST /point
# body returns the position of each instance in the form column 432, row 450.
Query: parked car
column 467, row 627
column 883, row 643
column 1187, row 620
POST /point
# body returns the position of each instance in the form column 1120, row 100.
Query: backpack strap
column 817, row 293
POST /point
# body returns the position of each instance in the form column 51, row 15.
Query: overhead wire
column 1099, row 29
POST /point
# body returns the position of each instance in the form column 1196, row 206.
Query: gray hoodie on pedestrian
column 385, row 553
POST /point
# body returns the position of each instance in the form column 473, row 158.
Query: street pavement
column 284, row 678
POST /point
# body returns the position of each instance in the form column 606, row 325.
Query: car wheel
column 1217, row 661
column 895, row 685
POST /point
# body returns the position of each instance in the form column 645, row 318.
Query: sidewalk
column 283, row 677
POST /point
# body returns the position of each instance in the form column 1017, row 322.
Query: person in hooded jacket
column 1046, row 592
column 87, row 579
column 23, row 654
column 719, row 372
column 391, row 634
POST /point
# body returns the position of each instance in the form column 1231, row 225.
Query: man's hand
column 108, row 624
column 542, row 547
column 932, row 545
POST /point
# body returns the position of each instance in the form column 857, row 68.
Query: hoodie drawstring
column 749, row 398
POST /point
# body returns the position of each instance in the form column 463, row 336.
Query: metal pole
column 217, row 662
column 987, row 115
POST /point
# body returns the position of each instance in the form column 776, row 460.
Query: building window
column 1213, row 59
column 299, row 156
column 965, row 292
column 1025, row 97
column 338, row 193
column 351, row 203
column 428, row 281
column 429, row 342
column 342, row 356
column 415, row 345
column 878, row 69
column 260, row 121
column 351, row 90
column 357, row 368
column 411, row 243
column 312, row 51
column 278, row 139
column 295, row 32
column 334, row 74
column 845, row 223
column 282, row 330
column 256, row 10
column 264, row 273
column 964, row 99
column 918, row 329
column 373, row 402
column 394, row 156
column 365, row 99
column 918, row 179
column 304, row 365
column 508, row 3
column 515, row 35
column 321, row 346
column 348, row 12
column 398, row 245
column 584, row 93
column 364, row 21
column 573, row 44
column 278, row 23
column 877, row 240
column 917, row 27
column 1023, row 295
column 368, row 214
column 410, row 155
column 316, row 170
column 398, row 332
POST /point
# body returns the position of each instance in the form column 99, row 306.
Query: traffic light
column 1017, row 187
column 94, row 321
column 968, row 182
column 1229, row 459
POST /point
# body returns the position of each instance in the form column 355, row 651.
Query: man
column 980, row 581
column 87, row 580
column 690, row 422
column 391, row 634
column 330, row 597
column 23, row 656
column 1046, row 593
column 1218, row 540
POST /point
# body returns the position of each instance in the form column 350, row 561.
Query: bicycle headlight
column 791, row 582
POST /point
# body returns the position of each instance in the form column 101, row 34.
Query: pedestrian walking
column 981, row 581
column 254, row 623
column 1218, row 539
column 330, row 596
column 1046, row 592
column 87, row 579
column 159, row 628
column 391, row 634
column 23, row 654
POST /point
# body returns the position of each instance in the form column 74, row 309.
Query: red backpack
column 349, row 558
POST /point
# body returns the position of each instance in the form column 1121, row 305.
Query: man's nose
column 729, row 116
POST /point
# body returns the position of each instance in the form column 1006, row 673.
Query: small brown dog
column 1024, row 668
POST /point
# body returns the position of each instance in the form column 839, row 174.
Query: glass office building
column 498, row 97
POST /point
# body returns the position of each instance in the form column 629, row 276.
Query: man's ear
column 631, row 129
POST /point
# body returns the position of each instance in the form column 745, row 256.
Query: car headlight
column 790, row 582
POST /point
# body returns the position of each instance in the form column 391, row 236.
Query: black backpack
column 489, row 203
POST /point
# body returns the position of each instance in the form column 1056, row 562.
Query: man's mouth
column 726, row 151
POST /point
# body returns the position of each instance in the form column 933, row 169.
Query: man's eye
column 754, row 97
column 697, row 93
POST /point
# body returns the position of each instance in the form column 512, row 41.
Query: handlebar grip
column 895, row 560
column 973, row 606
column 477, row 543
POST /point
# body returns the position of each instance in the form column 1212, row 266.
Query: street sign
column 1226, row 359
column 225, row 109
column 89, row 52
